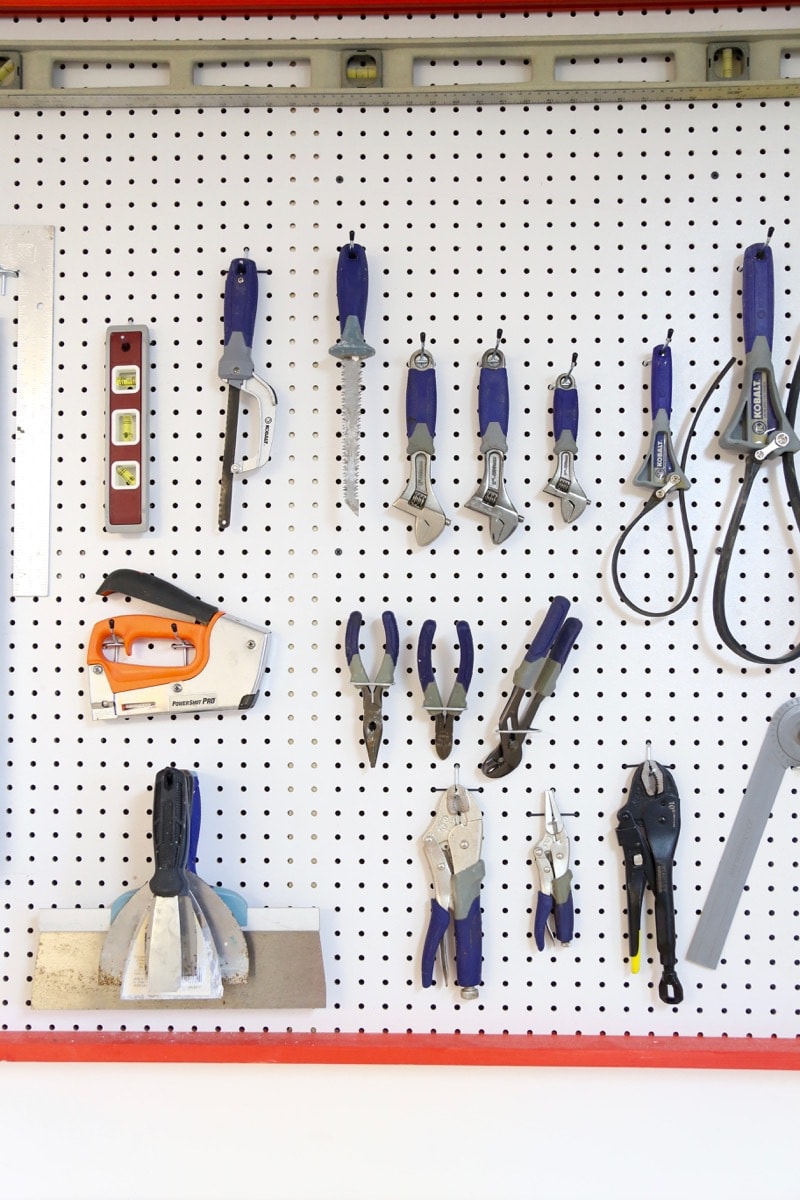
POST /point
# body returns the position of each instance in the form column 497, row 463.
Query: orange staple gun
column 213, row 661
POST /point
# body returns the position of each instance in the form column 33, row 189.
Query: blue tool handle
column 239, row 319
column 565, row 640
column 548, row 629
column 352, row 284
column 544, row 907
column 437, row 927
column 194, row 827
column 493, row 404
column 565, row 919
column 352, row 635
column 421, row 400
column 466, row 654
column 565, row 412
column 391, row 634
column 425, row 654
column 469, row 959
column 661, row 381
column 171, row 798
column 758, row 295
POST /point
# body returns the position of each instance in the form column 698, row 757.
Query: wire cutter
column 444, row 714
column 452, row 847
column 538, row 673
column 649, row 824
column 551, row 856
column 372, row 691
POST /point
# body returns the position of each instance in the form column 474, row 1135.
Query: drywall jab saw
column 213, row 661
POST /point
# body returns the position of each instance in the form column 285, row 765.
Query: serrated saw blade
column 351, row 431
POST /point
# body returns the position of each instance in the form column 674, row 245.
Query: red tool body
column 126, row 429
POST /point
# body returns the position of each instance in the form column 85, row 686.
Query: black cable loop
column 652, row 503
column 732, row 532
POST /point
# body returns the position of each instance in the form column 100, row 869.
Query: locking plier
column 649, row 824
column 452, row 848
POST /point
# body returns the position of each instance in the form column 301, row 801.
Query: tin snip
column 220, row 659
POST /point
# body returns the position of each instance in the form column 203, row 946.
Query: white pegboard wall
column 590, row 229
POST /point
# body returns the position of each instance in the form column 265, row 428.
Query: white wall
column 122, row 1132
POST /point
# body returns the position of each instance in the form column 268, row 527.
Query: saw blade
column 351, row 430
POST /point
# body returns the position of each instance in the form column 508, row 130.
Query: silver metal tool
column 352, row 289
column 236, row 368
column 491, row 499
column 418, row 499
column 26, row 255
column 563, row 484
column 779, row 751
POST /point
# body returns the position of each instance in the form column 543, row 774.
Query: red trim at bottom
column 489, row 1050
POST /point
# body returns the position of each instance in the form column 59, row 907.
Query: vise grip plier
column 649, row 824
column 452, row 848
column 551, row 858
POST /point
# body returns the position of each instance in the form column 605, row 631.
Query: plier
column 372, row 690
column 537, row 673
column 444, row 714
column 649, row 824
column 452, row 847
column 551, row 856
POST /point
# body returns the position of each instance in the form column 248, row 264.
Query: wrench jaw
column 491, row 499
column 565, row 487
column 418, row 501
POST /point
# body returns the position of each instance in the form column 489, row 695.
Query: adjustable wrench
column 491, row 499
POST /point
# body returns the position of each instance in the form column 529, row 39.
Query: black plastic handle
column 157, row 591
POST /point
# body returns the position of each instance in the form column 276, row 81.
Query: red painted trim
column 207, row 8
column 484, row 1050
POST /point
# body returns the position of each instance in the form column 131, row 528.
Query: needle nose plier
column 551, row 856
column 538, row 673
column 372, row 690
column 649, row 824
column 452, row 847
column 444, row 714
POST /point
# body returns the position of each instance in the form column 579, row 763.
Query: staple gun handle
column 133, row 627
column 758, row 295
column 157, row 591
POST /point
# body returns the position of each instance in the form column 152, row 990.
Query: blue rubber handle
column 392, row 635
column 352, row 635
column 565, row 920
column 466, row 654
column 544, row 907
column 548, row 629
column 493, row 403
column 421, row 400
column 468, row 946
column 758, row 295
column 661, row 381
column 194, row 828
column 437, row 927
column 565, row 412
column 241, row 300
column 352, row 284
column 565, row 640
column 425, row 654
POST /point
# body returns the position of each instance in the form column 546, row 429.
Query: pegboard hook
column 6, row 273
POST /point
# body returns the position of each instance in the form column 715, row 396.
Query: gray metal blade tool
column 780, row 750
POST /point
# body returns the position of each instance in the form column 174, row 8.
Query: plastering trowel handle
column 171, row 807
column 157, row 591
